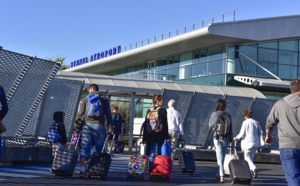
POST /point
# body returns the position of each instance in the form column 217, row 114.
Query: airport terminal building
column 262, row 53
column 243, row 62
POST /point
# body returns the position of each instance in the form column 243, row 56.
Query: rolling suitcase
column 65, row 162
column 240, row 172
column 119, row 147
column 228, row 157
column 186, row 162
column 161, row 169
column 99, row 163
column 137, row 167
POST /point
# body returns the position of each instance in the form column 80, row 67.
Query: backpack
column 223, row 125
column 94, row 106
column 117, row 119
column 53, row 133
column 154, row 124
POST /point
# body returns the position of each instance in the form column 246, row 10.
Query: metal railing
column 228, row 16
column 152, row 76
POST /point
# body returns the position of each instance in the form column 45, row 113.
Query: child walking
column 57, row 133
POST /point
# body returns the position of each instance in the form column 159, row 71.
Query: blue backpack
column 53, row 133
column 94, row 106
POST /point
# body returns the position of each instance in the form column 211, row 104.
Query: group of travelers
column 285, row 113
column 94, row 128
column 92, row 125
column 249, row 135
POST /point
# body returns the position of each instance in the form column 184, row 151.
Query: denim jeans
column 221, row 146
column 92, row 134
column 290, row 160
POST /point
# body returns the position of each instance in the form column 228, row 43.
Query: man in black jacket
column 4, row 109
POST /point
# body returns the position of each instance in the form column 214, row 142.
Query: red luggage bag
column 161, row 169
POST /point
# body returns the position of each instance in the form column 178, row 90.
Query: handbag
column 166, row 149
column 2, row 127
column 262, row 143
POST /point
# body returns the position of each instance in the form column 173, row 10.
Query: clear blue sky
column 78, row 28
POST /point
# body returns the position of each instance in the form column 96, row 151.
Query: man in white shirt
column 174, row 125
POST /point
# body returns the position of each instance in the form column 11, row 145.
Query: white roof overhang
column 263, row 82
column 238, row 32
column 117, row 86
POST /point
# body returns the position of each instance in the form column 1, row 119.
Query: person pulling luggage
column 175, row 126
column 95, row 111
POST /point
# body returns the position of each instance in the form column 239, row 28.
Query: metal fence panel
column 183, row 100
column 196, row 125
column 28, row 91
column 11, row 65
column 62, row 95
column 236, row 106
column 261, row 109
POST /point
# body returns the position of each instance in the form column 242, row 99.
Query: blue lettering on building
column 97, row 56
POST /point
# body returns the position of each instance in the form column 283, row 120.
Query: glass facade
column 213, row 64
column 279, row 57
column 205, row 66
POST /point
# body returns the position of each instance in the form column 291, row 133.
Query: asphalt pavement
column 39, row 174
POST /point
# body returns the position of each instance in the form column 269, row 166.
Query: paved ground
column 270, row 174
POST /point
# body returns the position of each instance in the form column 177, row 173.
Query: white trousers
column 249, row 155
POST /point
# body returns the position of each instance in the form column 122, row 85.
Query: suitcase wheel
column 151, row 178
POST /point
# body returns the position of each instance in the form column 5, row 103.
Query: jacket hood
column 92, row 97
column 293, row 100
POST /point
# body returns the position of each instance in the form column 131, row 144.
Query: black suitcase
column 186, row 162
column 65, row 162
column 119, row 147
column 240, row 172
column 99, row 163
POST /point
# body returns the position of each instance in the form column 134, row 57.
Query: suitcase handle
column 182, row 147
column 77, row 141
column 106, row 141
column 235, row 152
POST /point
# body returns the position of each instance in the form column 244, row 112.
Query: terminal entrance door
column 151, row 70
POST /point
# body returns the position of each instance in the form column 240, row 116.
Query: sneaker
column 81, row 174
column 221, row 179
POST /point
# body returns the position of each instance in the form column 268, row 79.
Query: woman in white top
column 250, row 136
